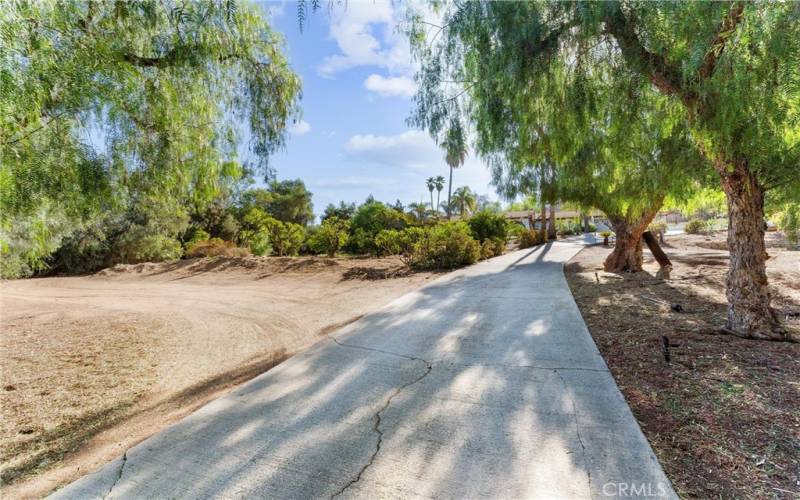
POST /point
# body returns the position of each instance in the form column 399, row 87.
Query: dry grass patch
column 91, row 365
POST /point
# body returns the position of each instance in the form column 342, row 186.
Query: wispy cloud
column 366, row 36
column 417, row 153
column 390, row 86
column 300, row 128
column 411, row 149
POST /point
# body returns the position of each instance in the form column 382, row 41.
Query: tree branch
column 666, row 77
column 725, row 31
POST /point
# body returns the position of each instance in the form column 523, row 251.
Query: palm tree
column 431, row 183
column 465, row 200
column 418, row 210
column 439, row 182
column 455, row 147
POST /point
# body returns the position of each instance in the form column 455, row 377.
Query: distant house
column 532, row 218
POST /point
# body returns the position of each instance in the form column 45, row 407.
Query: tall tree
column 439, row 183
column 418, row 210
column 431, row 183
column 465, row 200
column 455, row 148
column 166, row 86
column 286, row 201
column 732, row 68
column 344, row 211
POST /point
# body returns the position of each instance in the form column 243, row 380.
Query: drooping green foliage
column 538, row 82
column 111, row 106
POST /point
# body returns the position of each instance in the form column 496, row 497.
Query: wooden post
column 655, row 249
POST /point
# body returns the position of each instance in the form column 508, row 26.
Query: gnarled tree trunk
column 551, row 228
column 749, row 311
column 627, row 253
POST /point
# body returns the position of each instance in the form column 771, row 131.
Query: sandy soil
column 723, row 414
column 91, row 365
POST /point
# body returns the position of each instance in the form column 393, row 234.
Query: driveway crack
column 119, row 474
column 577, row 431
column 372, row 349
column 376, row 428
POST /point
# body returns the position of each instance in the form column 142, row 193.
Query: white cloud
column 390, row 86
column 300, row 128
column 366, row 35
column 416, row 152
column 412, row 149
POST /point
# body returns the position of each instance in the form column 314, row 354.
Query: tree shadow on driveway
column 484, row 383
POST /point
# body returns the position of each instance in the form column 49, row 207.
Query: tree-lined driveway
column 483, row 383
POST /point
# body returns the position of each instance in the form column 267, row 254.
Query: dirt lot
column 724, row 414
column 91, row 365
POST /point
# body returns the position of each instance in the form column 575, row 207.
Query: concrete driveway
column 483, row 384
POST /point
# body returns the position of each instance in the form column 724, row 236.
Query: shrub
column 515, row 230
column 262, row 231
column 330, row 236
column 387, row 242
column 215, row 247
column 370, row 219
column 606, row 235
column 499, row 246
column 492, row 248
column 259, row 243
column 531, row 237
column 137, row 246
column 85, row 250
column 198, row 235
column 487, row 250
column 486, row 225
column 695, row 226
column 445, row 246
column 286, row 238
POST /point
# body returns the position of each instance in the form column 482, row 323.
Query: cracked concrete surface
column 484, row 383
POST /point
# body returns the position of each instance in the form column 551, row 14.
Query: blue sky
column 353, row 140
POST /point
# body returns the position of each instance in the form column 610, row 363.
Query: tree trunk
column 551, row 228
column 585, row 223
column 749, row 311
column 659, row 254
column 627, row 253
column 543, row 223
column 449, row 192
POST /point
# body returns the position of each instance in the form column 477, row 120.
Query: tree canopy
column 108, row 104
column 529, row 79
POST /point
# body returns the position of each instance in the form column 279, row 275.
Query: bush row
column 375, row 231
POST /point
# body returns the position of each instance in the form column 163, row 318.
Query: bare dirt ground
column 723, row 415
column 92, row 365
